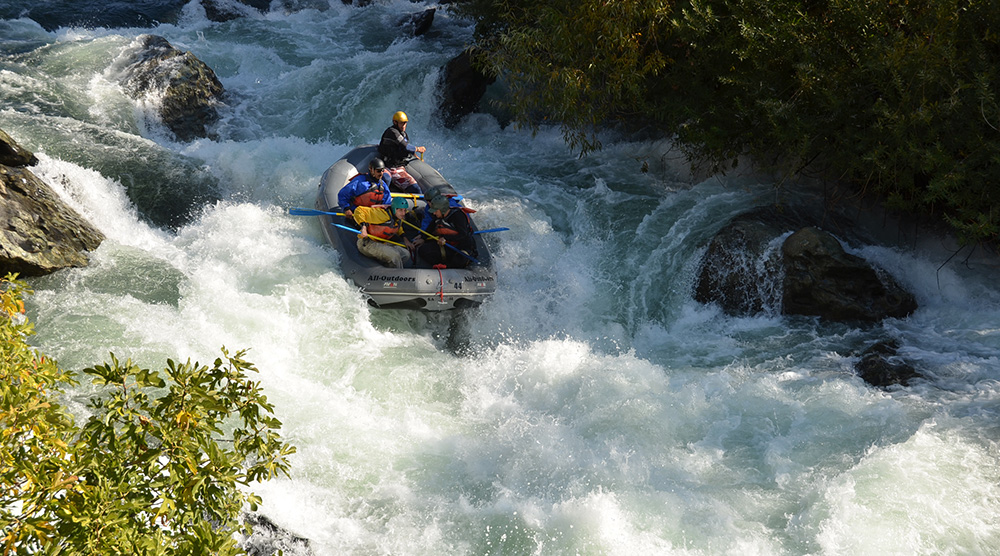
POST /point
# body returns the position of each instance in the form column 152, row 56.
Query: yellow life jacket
column 381, row 222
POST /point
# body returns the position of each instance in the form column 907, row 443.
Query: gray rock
column 268, row 538
column 39, row 233
column 187, row 91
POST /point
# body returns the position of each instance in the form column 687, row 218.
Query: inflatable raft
column 417, row 287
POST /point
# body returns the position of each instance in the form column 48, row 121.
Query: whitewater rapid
column 591, row 407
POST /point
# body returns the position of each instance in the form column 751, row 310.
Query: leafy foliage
column 897, row 97
column 158, row 466
column 578, row 63
column 35, row 433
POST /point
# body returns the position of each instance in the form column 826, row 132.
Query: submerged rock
column 876, row 366
column 226, row 10
column 40, row 233
column 185, row 90
column 268, row 538
column 130, row 271
column 741, row 269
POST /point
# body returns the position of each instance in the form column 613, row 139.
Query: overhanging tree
column 895, row 97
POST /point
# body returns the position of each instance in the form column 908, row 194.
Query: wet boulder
column 39, row 233
column 880, row 366
column 418, row 23
column 12, row 154
column 185, row 91
column 226, row 10
column 740, row 268
column 821, row 279
column 750, row 267
column 462, row 87
column 268, row 538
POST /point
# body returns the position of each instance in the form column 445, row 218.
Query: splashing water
column 591, row 407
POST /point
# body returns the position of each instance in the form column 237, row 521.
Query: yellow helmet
column 399, row 117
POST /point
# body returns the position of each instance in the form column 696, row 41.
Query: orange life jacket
column 386, row 230
column 374, row 196
column 443, row 228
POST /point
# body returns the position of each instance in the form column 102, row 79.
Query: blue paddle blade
column 491, row 230
column 311, row 212
column 348, row 228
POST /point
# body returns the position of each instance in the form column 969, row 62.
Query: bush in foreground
column 157, row 468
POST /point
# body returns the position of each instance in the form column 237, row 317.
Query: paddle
column 419, row 196
column 448, row 245
column 297, row 211
column 314, row 212
column 350, row 229
column 311, row 212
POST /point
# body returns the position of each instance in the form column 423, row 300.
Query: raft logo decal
column 392, row 279
column 478, row 278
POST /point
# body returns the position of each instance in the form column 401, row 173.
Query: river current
column 591, row 407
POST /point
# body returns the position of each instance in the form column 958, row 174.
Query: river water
column 591, row 407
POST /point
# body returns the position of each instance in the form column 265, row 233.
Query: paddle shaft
column 348, row 228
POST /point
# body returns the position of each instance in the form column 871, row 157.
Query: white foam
column 593, row 406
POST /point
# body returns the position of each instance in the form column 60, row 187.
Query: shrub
column 157, row 467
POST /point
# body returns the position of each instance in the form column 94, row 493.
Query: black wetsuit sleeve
column 464, row 239
column 392, row 147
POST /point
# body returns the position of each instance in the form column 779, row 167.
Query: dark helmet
column 440, row 203
column 376, row 164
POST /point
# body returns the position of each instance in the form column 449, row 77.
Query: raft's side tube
column 431, row 181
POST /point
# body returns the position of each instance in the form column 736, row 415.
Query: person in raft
column 381, row 233
column 366, row 190
column 451, row 225
column 396, row 150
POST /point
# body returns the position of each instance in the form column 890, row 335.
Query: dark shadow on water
column 450, row 331
column 53, row 14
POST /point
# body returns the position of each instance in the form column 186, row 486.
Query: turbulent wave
column 591, row 407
